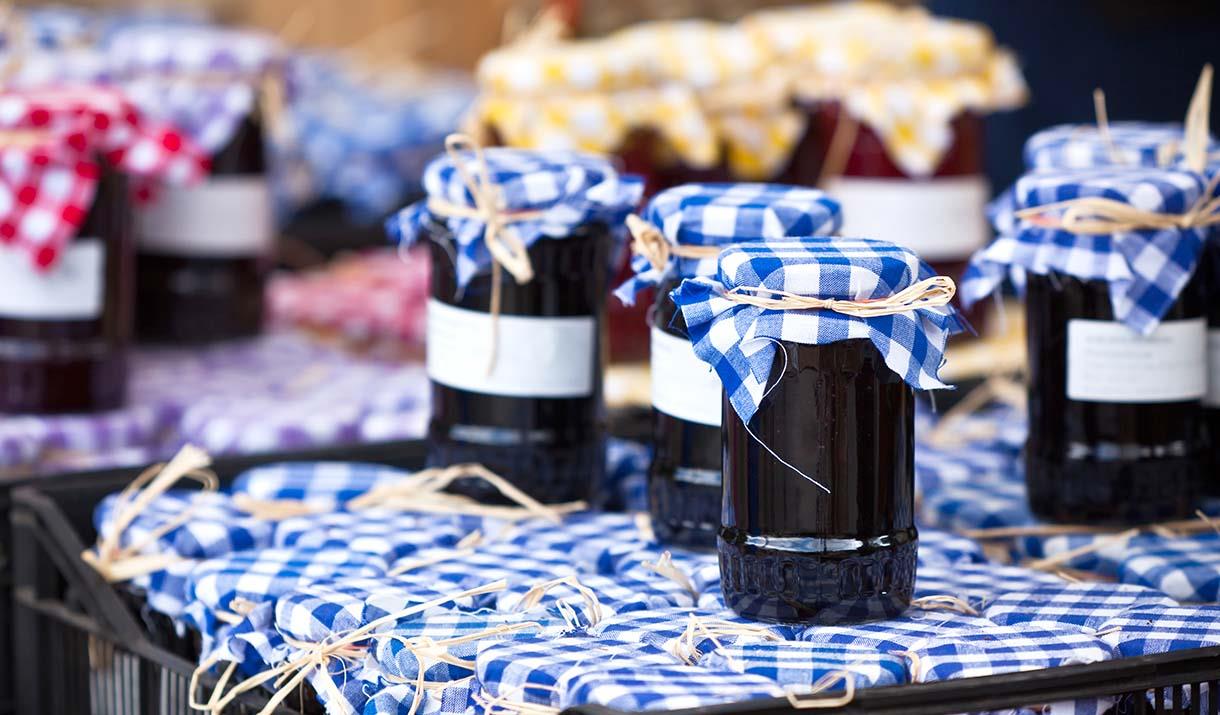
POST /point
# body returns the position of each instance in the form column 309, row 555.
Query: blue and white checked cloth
column 1148, row 630
column 944, row 548
column 528, row 669
column 266, row 574
column 569, row 189
column 215, row 527
column 401, row 649
column 1004, row 650
column 661, row 688
column 167, row 591
column 622, row 594
column 317, row 610
column 978, row 584
column 796, row 665
column 327, row 483
column 739, row 341
column 1083, row 146
column 1145, row 269
column 626, row 479
column 455, row 698
column 665, row 628
column 1187, row 569
column 161, row 67
column 897, row 634
column 1083, row 605
column 720, row 214
column 391, row 535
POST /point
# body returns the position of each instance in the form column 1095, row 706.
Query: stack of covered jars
column 878, row 105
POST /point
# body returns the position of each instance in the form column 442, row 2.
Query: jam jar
column 684, row 476
column 817, row 514
column 1115, row 418
column 531, row 409
column 788, row 550
column 64, row 334
column 205, row 250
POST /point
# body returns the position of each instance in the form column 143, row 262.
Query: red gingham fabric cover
column 48, row 178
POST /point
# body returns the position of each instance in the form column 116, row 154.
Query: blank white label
column 1213, row 369
column 1109, row 362
column 940, row 218
column 534, row 357
column 683, row 385
column 71, row 290
column 223, row 217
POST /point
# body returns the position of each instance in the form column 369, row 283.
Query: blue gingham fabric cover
column 570, row 189
column 160, row 66
column 720, row 214
column 1084, row 146
column 1146, row 269
column 640, row 658
column 215, row 527
column 360, row 138
column 739, row 341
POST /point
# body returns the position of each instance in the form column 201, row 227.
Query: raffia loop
column 424, row 492
column 666, row 567
column 489, row 208
column 593, row 605
column 1198, row 117
column 683, row 647
column 648, row 241
column 277, row 509
column 931, row 293
column 1096, row 215
column 945, row 602
column 311, row 657
column 807, row 701
column 116, row 562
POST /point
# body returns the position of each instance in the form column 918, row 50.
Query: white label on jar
column 1212, row 399
column 940, row 218
column 534, row 357
column 1109, row 362
column 683, row 385
column 223, row 217
column 73, row 289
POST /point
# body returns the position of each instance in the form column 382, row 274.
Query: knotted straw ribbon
column 424, row 492
column 931, row 293
column 593, row 604
column 507, row 249
column 648, row 241
column 1096, row 215
column 1195, row 137
column 683, row 647
column 287, row 676
column 116, row 562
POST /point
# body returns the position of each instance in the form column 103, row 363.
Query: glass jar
column 788, row 550
column 205, row 250
column 684, row 477
column 941, row 216
column 536, row 418
column 64, row 335
column 1115, row 421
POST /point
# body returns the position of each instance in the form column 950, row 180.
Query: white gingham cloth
column 204, row 79
column 664, row 628
column 570, row 189
column 528, row 669
column 315, row 482
column 318, row 610
column 944, row 548
column 896, row 634
column 215, row 527
column 978, row 584
column 1148, row 630
column 1145, row 269
column 455, row 698
column 796, row 665
column 266, row 574
column 388, row 534
column 1082, row 605
column 720, row 214
column 1187, row 569
column 1084, row 146
column 399, row 662
column 1004, row 650
column 660, row 687
column 621, row 594
column 739, row 341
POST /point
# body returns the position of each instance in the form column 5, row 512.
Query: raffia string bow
column 116, row 562
column 931, row 293
column 508, row 251
column 1193, row 146
column 1095, row 215
column 648, row 241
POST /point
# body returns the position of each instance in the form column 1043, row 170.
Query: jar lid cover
column 739, row 338
column 1086, row 146
column 719, row 214
column 1140, row 229
column 551, row 193
column 48, row 160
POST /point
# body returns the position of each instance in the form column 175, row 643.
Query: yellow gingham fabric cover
column 715, row 91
